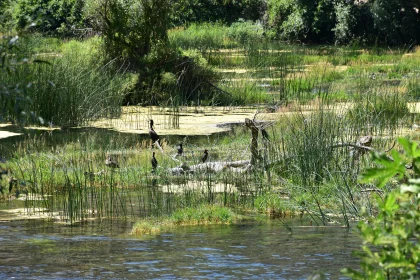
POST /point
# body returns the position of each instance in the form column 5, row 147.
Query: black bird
column 153, row 135
column 180, row 150
column 111, row 163
column 154, row 162
column 265, row 135
column 12, row 182
column 206, row 155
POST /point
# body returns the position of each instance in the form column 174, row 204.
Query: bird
column 365, row 141
column 154, row 162
column 206, row 155
column 12, row 182
column 153, row 135
column 180, row 150
column 265, row 135
column 111, row 163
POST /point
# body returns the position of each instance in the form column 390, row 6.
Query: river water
column 258, row 250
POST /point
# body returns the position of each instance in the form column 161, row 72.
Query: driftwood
column 240, row 166
column 361, row 149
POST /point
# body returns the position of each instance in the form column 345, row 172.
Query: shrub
column 391, row 248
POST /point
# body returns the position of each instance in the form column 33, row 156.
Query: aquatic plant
column 200, row 215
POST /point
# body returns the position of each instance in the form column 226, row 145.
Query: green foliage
column 50, row 16
column 343, row 29
column 383, row 107
column 132, row 28
column 396, row 22
column 245, row 31
column 186, row 12
column 270, row 202
column 204, row 214
column 374, row 22
column 6, row 15
column 391, row 247
column 286, row 16
column 14, row 97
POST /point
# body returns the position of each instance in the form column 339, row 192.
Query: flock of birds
column 109, row 161
column 112, row 163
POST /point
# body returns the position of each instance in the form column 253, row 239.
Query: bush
column 58, row 17
column 391, row 248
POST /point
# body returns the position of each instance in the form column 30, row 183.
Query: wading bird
column 154, row 163
column 153, row 135
column 206, row 155
column 111, row 163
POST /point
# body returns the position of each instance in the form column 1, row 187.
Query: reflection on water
column 36, row 250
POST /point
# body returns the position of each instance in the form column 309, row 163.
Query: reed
column 66, row 90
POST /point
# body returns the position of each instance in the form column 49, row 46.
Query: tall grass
column 66, row 89
column 212, row 36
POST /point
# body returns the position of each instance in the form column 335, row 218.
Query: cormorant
column 206, row 155
column 265, row 135
column 153, row 135
column 154, row 162
column 12, row 181
column 180, row 150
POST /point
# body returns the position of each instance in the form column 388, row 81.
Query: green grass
column 200, row 215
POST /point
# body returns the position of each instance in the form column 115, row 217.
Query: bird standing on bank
column 206, row 155
column 153, row 135
column 154, row 163
column 180, row 150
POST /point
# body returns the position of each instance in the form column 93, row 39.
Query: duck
column 206, row 155
column 111, row 163
column 153, row 135
column 154, row 163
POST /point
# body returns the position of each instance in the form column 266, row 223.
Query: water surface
column 38, row 250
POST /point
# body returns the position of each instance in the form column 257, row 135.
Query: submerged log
column 212, row 167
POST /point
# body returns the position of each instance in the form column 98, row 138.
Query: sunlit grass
column 200, row 215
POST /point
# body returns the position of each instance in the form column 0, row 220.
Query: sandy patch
column 7, row 134
column 192, row 120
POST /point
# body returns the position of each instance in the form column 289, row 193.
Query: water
column 38, row 250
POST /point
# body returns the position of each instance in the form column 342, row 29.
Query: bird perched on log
column 153, row 135
column 205, row 157
column 180, row 150
column 154, row 163
column 111, row 162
